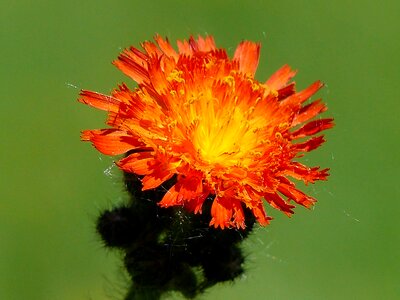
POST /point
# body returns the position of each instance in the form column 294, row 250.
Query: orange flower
column 202, row 116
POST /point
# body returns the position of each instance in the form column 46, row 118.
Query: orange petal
column 156, row 178
column 193, row 44
column 206, row 44
column 157, row 76
column 308, row 175
column 184, row 47
column 247, row 54
column 260, row 214
column 309, row 145
column 124, row 95
column 277, row 202
column 186, row 190
column 151, row 49
column 171, row 198
column 141, row 163
column 221, row 215
column 286, row 91
column 308, row 92
column 195, row 204
column 166, row 47
column 308, row 112
column 280, row 78
column 238, row 214
column 312, row 128
column 99, row 101
column 110, row 141
column 133, row 63
column 190, row 187
column 299, row 197
column 303, row 95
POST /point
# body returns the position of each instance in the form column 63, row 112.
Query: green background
column 53, row 186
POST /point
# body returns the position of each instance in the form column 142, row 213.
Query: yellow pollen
column 255, row 86
column 175, row 75
column 230, row 80
column 283, row 125
column 274, row 93
column 172, row 124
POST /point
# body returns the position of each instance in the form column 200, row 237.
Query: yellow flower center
column 225, row 137
column 218, row 140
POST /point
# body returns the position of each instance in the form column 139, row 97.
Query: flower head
column 203, row 117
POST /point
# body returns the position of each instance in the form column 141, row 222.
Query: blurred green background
column 53, row 186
